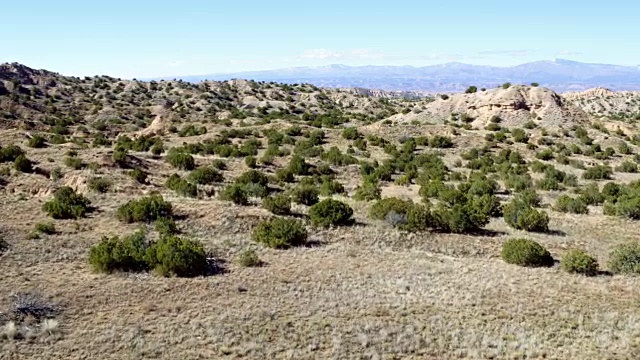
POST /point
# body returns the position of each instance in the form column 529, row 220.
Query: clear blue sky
column 140, row 38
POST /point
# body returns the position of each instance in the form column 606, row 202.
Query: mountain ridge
column 561, row 75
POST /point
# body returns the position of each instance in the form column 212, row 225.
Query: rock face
column 590, row 93
column 604, row 102
column 515, row 106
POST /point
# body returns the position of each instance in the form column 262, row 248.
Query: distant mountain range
column 559, row 75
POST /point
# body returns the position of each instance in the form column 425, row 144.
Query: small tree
column 181, row 161
column 176, row 256
column 280, row 233
column 520, row 215
column 66, row 204
column 579, row 262
column 23, row 164
column 116, row 254
column 305, row 194
column 330, row 212
column 278, row 205
column 235, row 193
column 526, row 252
column 146, row 209
column 625, row 259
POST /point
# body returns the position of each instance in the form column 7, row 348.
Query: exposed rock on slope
column 515, row 106
column 604, row 102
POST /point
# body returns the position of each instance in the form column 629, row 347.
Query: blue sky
column 140, row 38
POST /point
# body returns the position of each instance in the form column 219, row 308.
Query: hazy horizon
column 145, row 39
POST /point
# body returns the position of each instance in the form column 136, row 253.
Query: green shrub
column 115, row 254
column 278, row 204
column 530, row 197
column 546, row 154
column 46, row 228
column 181, row 161
column 598, row 172
column 66, row 204
column 441, row 142
column 579, row 262
column 249, row 258
column 298, row 166
column 181, row 186
column 166, row 226
column 525, row 252
column 522, row 216
column 305, row 195
column 74, row 162
column 351, row 133
column 23, row 164
column 627, row 205
column 120, row 156
column 625, row 259
column 253, row 177
column 138, row 175
column 628, row 167
column 330, row 187
column 99, row 184
column 381, row 208
column 219, row 164
column 205, row 175
column 235, row 193
column 591, row 195
column 37, row 141
column 520, row 136
column 10, row 153
column 280, row 233
column 147, row 209
column 251, row 162
column 335, row 157
column 567, row 204
column 464, row 217
column 176, row 256
column 368, row 191
column 157, row 149
column 330, row 212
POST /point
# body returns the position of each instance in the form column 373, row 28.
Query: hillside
column 247, row 220
column 601, row 102
column 515, row 106
column 31, row 96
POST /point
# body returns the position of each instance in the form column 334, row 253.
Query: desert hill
column 33, row 96
column 515, row 106
column 602, row 102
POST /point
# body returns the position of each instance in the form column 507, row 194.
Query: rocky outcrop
column 590, row 93
column 604, row 102
column 515, row 106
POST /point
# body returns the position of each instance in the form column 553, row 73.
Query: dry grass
column 364, row 292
